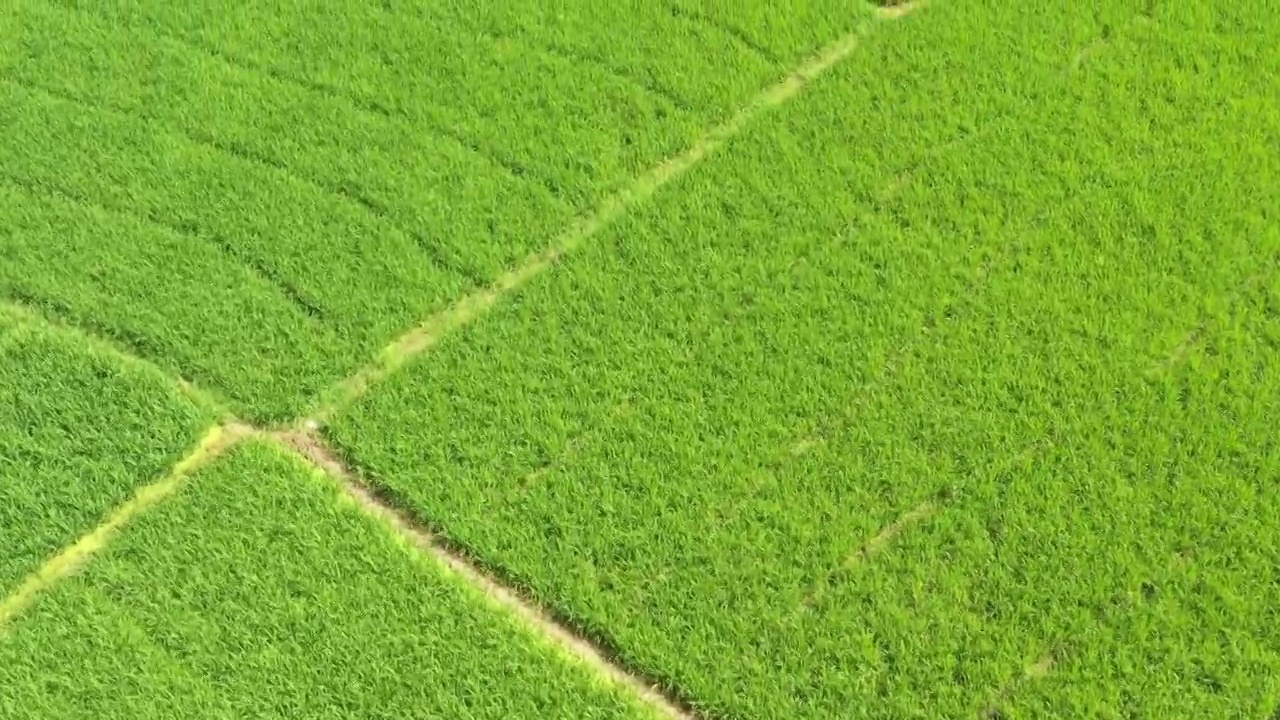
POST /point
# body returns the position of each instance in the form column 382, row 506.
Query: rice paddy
column 646, row 360
column 259, row 592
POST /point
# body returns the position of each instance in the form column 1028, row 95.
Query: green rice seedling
column 151, row 289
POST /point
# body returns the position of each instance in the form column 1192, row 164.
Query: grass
column 259, row 591
column 79, row 430
column 811, row 366
column 897, row 429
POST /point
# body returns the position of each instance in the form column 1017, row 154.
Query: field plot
column 79, row 430
column 920, row 400
column 257, row 592
column 261, row 198
column 806, row 365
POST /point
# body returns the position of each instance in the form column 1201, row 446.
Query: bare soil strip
column 221, row 438
column 314, row 449
column 890, row 532
column 216, row 441
column 895, row 9
column 471, row 307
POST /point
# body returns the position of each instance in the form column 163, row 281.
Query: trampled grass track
column 71, row 559
column 79, row 426
column 224, row 437
column 428, row 333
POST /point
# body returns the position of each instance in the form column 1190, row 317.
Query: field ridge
column 310, row 448
column 852, row 420
column 314, row 450
column 216, row 441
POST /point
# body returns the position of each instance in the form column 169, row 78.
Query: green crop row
column 422, row 188
column 165, row 296
column 573, row 97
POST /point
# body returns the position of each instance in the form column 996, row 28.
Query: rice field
column 640, row 360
